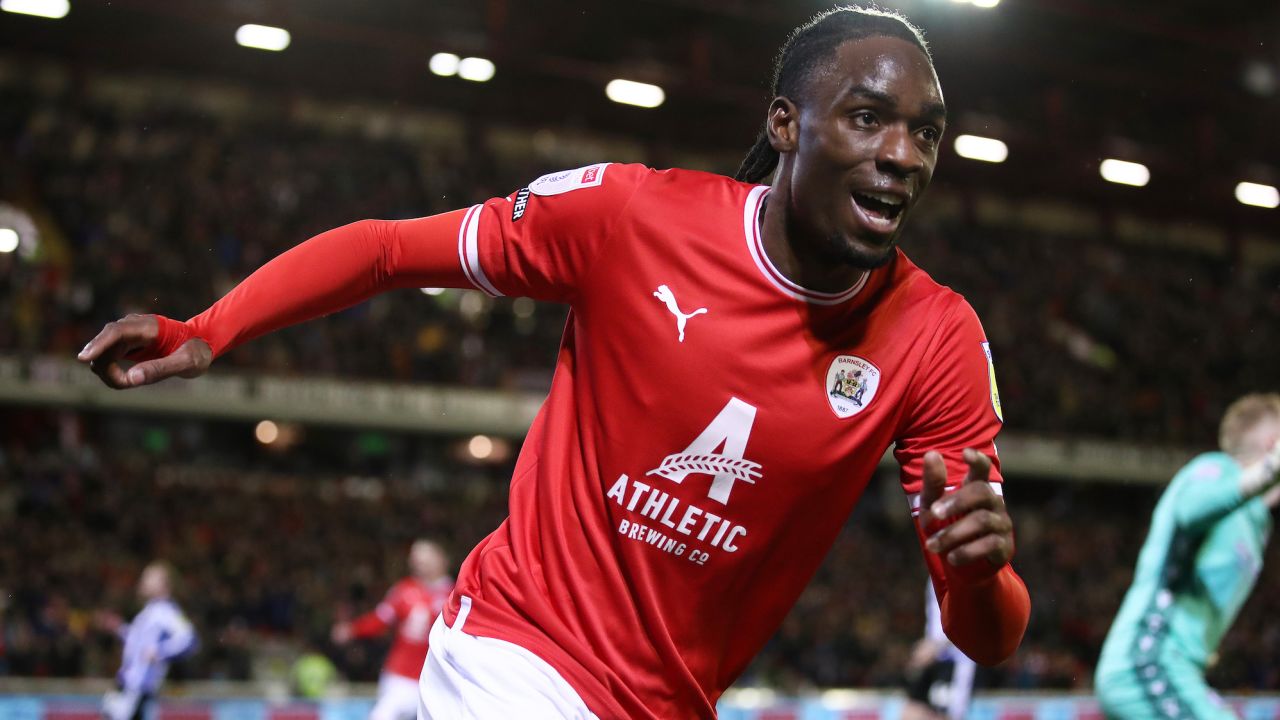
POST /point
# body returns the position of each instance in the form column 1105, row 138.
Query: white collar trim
column 751, row 228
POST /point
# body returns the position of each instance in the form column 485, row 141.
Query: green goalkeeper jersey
column 1197, row 567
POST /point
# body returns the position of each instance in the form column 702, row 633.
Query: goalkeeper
column 1199, row 563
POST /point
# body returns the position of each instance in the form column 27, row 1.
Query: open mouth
column 879, row 206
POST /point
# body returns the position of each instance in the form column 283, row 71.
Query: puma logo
column 664, row 294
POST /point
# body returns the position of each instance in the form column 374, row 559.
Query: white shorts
column 397, row 698
column 476, row 678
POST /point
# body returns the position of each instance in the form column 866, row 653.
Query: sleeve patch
column 521, row 203
column 991, row 375
column 568, row 180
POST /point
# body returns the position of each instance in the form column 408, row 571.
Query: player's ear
column 783, row 125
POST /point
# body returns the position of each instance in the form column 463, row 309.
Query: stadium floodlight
column 8, row 240
column 263, row 37
column 975, row 147
column 1124, row 172
column 630, row 92
column 985, row 4
column 52, row 9
column 444, row 64
column 480, row 447
column 1258, row 195
column 266, row 432
column 475, row 69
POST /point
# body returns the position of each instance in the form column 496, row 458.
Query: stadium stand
column 141, row 198
column 273, row 546
column 165, row 207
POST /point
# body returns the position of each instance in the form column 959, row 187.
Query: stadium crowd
column 272, row 548
column 164, row 209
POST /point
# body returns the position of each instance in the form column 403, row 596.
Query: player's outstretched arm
column 1206, row 498
column 329, row 272
column 985, row 606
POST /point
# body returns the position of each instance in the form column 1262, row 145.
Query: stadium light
column 8, row 240
column 52, row 9
column 263, row 37
column 630, row 92
column 985, row 4
column 1258, row 195
column 444, row 64
column 266, row 432
column 1123, row 172
column 975, row 147
column 480, row 447
column 475, row 69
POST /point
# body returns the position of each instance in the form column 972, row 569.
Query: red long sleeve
column 986, row 618
column 985, row 610
column 370, row 624
column 332, row 271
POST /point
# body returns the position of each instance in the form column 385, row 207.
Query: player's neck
column 796, row 256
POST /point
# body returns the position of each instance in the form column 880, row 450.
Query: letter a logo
column 730, row 429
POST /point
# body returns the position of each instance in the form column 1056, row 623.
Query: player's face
column 426, row 561
column 1261, row 438
column 870, row 125
column 153, row 583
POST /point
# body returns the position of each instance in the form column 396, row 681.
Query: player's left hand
column 981, row 529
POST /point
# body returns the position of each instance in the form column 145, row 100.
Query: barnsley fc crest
column 851, row 385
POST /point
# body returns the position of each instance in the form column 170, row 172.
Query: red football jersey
column 411, row 607
column 709, row 428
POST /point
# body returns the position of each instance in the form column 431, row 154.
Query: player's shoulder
column 1207, row 467
column 163, row 610
column 634, row 176
column 403, row 586
column 929, row 300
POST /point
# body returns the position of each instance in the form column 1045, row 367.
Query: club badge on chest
column 851, row 385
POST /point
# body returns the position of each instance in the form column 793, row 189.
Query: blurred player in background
column 1202, row 555
column 411, row 606
column 940, row 676
column 158, row 635
column 738, row 358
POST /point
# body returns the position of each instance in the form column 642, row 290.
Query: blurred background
column 1106, row 199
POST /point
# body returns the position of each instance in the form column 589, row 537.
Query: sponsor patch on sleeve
column 521, row 203
column 991, row 375
column 568, row 180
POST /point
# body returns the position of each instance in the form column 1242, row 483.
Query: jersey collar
column 751, row 226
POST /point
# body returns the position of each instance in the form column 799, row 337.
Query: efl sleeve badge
column 991, row 374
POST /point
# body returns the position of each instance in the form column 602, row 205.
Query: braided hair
column 809, row 45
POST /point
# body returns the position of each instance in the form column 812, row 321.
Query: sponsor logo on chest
column 851, row 385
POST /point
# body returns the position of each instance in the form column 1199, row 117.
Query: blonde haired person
column 1199, row 563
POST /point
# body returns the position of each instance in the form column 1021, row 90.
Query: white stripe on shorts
column 477, row 677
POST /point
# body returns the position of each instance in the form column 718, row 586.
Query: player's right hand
column 138, row 332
